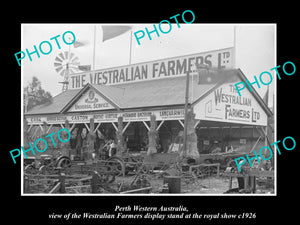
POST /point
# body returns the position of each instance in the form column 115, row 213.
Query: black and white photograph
column 145, row 116
column 139, row 115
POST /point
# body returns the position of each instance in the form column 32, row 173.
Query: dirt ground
column 206, row 185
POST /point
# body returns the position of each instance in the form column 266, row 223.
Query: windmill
column 66, row 63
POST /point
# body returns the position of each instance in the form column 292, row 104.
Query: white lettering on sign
column 224, row 104
column 90, row 101
column 168, row 114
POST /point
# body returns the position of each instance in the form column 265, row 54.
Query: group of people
column 109, row 149
column 104, row 146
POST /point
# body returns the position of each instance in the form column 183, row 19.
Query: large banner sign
column 225, row 105
column 176, row 66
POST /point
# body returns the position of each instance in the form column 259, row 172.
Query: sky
column 255, row 48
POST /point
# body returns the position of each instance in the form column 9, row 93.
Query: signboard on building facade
column 176, row 66
column 108, row 117
column 225, row 105
column 90, row 101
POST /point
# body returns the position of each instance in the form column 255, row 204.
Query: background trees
column 35, row 95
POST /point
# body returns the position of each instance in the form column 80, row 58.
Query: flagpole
column 268, row 91
column 186, row 105
column 130, row 47
column 94, row 50
column 234, row 46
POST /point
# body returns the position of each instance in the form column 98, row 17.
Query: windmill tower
column 65, row 64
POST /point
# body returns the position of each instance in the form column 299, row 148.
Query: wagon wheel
column 232, row 164
column 44, row 169
column 30, row 169
column 64, row 163
column 116, row 166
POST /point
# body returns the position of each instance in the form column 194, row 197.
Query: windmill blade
column 66, row 63
column 59, row 69
column 71, row 55
column 57, row 64
column 71, row 71
column 75, row 59
column 74, row 68
column 58, row 59
column 62, row 72
column 75, row 63
column 61, row 55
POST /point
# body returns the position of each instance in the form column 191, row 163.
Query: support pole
column 65, row 146
column 42, row 128
column 31, row 125
column 49, row 128
column 119, row 136
column 114, row 125
column 182, row 124
column 94, row 48
column 130, row 47
column 186, row 112
column 191, row 137
column 152, row 136
column 62, row 179
column 124, row 129
column 161, row 123
column 146, row 125
column 87, row 127
column 72, row 127
column 196, row 124
column 95, row 181
column 90, row 138
column 97, row 127
column 25, row 132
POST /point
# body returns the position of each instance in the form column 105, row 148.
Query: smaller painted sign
column 90, row 101
column 225, row 105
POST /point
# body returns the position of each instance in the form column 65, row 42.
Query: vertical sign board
column 170, row 67
column 225, row 105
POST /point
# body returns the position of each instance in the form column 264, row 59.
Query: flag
column 266, row 97
column 208, row 75
column 110, row 32
column 78, row 44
